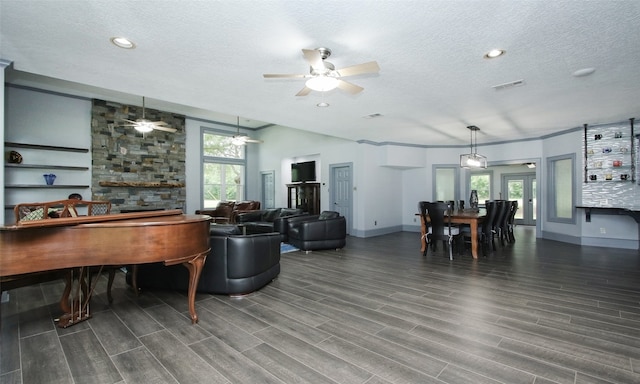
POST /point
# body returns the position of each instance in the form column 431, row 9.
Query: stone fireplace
column 137, row 171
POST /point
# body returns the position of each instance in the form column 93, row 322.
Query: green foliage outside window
column 223, row 170
column 481, row 182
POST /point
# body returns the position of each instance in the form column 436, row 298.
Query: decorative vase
column 473, row 199
column 49, row 178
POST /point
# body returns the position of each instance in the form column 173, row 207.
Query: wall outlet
column 603, row 230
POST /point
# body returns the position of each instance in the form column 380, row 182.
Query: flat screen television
column 302, row 172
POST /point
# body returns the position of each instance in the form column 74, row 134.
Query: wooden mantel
column 141, row 184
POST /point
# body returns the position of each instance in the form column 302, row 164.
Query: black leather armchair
column 269, row 220
column 237, row 264
column 313, row 232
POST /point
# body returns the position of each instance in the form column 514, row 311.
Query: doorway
column 268, row 189
column 523, row 188
column 341, row 191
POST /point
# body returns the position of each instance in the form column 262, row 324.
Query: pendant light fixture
column 473, row 159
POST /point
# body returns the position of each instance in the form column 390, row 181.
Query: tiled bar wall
column 601, row 152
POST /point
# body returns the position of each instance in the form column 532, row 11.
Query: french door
column 522, row 187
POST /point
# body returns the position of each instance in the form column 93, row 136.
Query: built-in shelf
column 609, row 154
column 43, row 166
column 45, row 147
column 56, row 186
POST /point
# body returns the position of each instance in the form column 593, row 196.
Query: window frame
column 552, row 203
column 483, row 172
column 220, row 160
column 456, row 180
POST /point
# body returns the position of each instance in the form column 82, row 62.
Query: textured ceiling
column 433, row 82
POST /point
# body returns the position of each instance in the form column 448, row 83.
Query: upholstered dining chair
column 500, row 219
column 513, row 208
column 440, row 226
column 485, row 229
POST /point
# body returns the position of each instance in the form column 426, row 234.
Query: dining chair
column 513, row 208
column 440, row 226
column 485, row 229
column 500, row 220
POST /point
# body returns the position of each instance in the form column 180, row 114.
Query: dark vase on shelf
column 473, row 199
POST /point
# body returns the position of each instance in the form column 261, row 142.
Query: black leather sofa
column 314, row 232
column 237, row 264
column 268, row 220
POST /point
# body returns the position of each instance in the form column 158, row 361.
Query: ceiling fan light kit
column 473, row 159
column 322, row 83
column 144, row 127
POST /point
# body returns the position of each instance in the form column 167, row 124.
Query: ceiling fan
column 323, row 75
column 242, row 139
column 143, row 125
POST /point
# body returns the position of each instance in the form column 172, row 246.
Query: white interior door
column 341, row 191
column 268, row 189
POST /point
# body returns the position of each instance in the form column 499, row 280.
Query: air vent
column 372, row 116
column 508, row 85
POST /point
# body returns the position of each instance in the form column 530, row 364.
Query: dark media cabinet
column 305, row 196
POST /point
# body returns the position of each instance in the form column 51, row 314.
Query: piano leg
column 194, row 264
column 76, row 308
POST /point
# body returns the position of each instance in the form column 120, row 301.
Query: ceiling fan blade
column 349, row 87
column 166, row 129
column 282, row 76
column 158, row 123
column 248, row 140
column 370, row 67
column 313, row 57
column 304, row 91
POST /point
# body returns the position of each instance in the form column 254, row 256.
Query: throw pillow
column 271, row 214
column 328, row 215
column 224, row 230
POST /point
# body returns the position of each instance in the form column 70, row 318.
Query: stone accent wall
column 137, row 171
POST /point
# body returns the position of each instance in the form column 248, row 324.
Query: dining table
column 472, row 217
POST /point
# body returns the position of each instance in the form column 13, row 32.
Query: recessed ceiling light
column 492, row 54
column 123, row 42
column 584, row 72
column 322, row 105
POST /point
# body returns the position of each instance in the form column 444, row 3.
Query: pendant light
column 473, row 159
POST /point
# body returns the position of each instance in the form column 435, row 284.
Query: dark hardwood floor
column 537, row 311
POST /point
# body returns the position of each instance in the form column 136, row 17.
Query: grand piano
column 118, row 239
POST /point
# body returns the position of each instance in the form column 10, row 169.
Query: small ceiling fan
column 323, row 76
column 143, row 125
column 242, row 139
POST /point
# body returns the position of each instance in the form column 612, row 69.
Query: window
column 445, row 182
column 561, row 193
column 481, row 182
column 223, row 170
